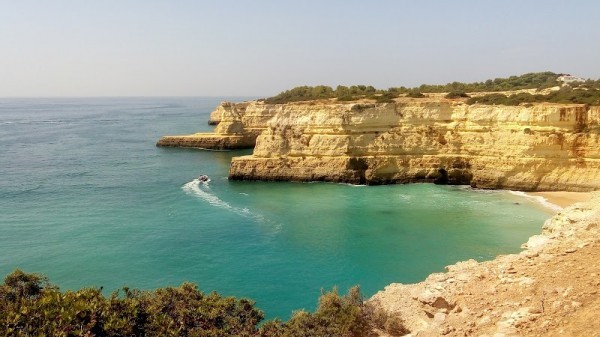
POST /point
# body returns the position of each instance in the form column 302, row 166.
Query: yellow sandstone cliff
column 238, row 125
column 535, row 147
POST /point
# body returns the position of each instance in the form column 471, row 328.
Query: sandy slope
column 563, row 199
column 550, row 289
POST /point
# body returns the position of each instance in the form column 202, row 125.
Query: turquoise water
column 87, row 199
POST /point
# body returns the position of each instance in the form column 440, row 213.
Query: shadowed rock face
column 538, row 147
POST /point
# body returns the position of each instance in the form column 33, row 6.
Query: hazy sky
column 261, row 47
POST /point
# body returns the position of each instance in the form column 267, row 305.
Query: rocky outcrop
column 215, row 117
column 238, row 125
column 549, row 289
column 535, row 147
column 208, row 141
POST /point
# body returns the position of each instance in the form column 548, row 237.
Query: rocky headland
column 537, row 147
column 238, row 125
column 533, row 147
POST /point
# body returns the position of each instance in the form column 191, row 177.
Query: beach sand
column 563, row 199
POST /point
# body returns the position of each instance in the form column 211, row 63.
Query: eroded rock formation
column 534, row 147
column 238, row 125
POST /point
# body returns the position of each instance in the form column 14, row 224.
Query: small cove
column 88, row 200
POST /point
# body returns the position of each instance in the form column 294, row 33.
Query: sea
column 87, row 199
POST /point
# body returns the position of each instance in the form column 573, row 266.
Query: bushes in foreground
column 31, row 306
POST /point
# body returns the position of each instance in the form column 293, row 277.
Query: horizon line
column 133, row 96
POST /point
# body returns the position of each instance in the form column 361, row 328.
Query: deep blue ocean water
column 88, row 200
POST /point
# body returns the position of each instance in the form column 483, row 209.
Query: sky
column 262, row 47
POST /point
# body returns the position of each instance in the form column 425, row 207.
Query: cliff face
column 538, row 147
column 238, row 125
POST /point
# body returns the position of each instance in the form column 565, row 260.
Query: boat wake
column 201, row 190
column 193, row 188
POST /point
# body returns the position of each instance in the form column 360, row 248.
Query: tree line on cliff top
column 587, row 92
column 31, row 306
column 565, row 95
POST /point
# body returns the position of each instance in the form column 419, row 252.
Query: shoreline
column 559, row 199
column 555, row 200
column 547, row 289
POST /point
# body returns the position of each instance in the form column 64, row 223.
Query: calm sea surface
column 88, row 200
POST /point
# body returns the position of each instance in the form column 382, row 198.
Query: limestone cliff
column 534, row 147
column 238, row 125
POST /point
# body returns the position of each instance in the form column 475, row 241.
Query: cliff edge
column 238, row 125
column 549, row 289
column 534, row 147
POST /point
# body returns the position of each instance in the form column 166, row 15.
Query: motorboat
column 203, row 178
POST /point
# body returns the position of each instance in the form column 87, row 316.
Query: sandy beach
column 563, row 199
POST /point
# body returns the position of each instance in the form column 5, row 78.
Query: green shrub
column 30, row 306
column 415, row 94
column 303, row 93
column 456, row 94
column 337, row 315
column 526, row 81
column 564, row 95
column 342, row 93
column 540, row 80
column 21, row 286
column 179, row 311
column 346, row 98
column 386, row 97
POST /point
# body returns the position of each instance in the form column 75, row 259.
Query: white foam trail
column 476, row 190
column 193, row 188
column 543, row 201
column 352, row 185
column 202, row 190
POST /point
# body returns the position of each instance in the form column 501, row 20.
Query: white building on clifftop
column 567, row 78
